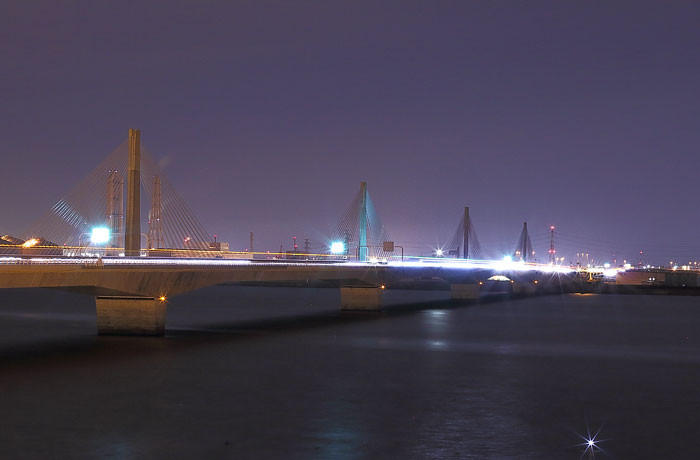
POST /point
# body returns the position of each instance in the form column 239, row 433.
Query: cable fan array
column 345, row 239
column 456, row 246
column 98, row 201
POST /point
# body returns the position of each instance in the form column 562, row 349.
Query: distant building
column 218, row 246
column 658, row 277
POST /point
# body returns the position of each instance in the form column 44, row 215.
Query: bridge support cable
column 69, row 220
column 523, row 249
column 114, row 213
column 362, row 224
column 344, row 231
column 155, row 222
column 181, row 228
column 360, row 230
column 98, row 201
column 465, row 242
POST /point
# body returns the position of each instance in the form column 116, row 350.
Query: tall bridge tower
column 359, row 232
column 523, row 250
column 132, row 244
column 465, row 239
column 464, row 243
column 362, row 249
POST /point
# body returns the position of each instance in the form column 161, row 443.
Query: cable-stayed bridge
column 97, row 201
column 92, row 241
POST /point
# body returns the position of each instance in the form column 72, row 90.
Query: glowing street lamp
column 99, row 235
column 337, row 247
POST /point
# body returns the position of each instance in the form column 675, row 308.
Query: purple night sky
column 584, row 115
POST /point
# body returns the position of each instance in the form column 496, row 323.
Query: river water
column 268, row 373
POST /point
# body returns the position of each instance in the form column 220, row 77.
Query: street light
column 99, row 235
column 337, row 247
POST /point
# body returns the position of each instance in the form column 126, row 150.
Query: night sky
column 584, row 115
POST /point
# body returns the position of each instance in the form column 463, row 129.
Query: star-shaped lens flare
column 590, row 444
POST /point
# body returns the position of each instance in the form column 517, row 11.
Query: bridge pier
column 524, row 288
column 465, row 291
column 130, row 315
column 354, row 298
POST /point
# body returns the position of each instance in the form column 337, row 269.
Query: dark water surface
column 259, row 373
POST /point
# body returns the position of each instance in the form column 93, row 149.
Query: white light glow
column 498, row 266
column 99, row 235
column 498, row 278
column 591, row 444
column 337, row 247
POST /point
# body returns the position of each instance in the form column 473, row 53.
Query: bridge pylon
column 132, row 240
column 523, row 250
column 465, row 233
column 360, row 232
column 362, row 248
column 79, row 211
column 464, row 243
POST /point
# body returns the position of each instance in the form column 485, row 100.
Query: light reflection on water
column 338, row 434
column 689, row 355
column 281, row 373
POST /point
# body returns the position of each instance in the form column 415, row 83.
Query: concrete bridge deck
column 131, row 292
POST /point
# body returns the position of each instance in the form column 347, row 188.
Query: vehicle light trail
column 448, row 264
